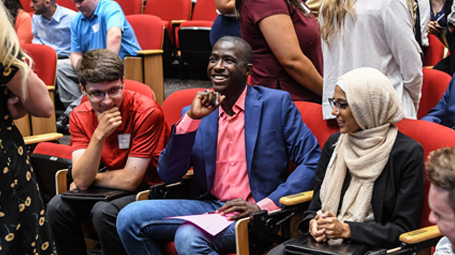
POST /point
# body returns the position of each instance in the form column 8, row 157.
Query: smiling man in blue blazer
column 239, row 152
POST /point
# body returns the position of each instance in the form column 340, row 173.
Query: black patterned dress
column 24, row 228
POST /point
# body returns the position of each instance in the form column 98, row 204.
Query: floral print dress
column 24, row 228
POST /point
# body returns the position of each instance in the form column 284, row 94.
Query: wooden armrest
column 60, row 181
column 142, row 195
column 188, row 174
column 241, row 236
column 34, row 139
column 420, row 235
column 177, row 22
column 149, row 52
column 297, row 198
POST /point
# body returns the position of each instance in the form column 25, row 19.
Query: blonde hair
column 11, row 49
column 335, row 11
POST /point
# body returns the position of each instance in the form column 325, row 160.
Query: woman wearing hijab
column 383, row 170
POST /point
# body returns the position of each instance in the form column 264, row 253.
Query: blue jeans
column 141, row 225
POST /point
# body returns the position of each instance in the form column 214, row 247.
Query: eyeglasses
column 100, row 95
column 339, row 106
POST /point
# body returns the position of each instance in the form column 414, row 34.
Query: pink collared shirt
column 231, row 176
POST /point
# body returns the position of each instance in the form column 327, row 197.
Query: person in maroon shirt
column 284, row 35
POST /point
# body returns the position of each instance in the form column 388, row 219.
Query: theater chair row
column 255, row 234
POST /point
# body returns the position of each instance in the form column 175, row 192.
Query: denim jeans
column 141, row 225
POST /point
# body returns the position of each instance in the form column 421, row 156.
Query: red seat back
column 174, row 103
column 68, row 4
column 312, row 117
column 435, row 51
column 204, row 10
column 45, row 59
column 431, row 136
column 26, row 6
column 130, row 6
column 434, row 85
column 169, row 10
column 148, row 29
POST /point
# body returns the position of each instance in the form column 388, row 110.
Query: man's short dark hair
column 441, row 171
column 99, row 65
column 245, row 47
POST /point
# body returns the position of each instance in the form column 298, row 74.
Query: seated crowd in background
column 127, row 132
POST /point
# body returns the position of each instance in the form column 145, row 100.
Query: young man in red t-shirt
column 124, row 130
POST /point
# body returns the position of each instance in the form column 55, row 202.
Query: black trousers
column 65, row 218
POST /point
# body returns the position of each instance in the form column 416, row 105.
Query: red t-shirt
column 267, row 71
column 142, row 119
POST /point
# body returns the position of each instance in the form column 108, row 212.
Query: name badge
column 96, row 28
column 124, row 141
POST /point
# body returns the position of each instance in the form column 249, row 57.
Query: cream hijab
column 364, row 153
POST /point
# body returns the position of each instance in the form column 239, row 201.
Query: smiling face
column 228, row 68
column 441, row 213
column 110, row 99
column 86, row 7
column 344, row 116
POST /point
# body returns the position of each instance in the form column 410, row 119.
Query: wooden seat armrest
column 177, row 22
column 142, row 195
column 60, row 181
column 241, row 236
column 297, row 198
column 34, row 139
column 188, row 174
column 149, row 52
column 420, row 235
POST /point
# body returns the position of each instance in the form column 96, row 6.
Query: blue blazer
column 444, row 112
column 274, row 134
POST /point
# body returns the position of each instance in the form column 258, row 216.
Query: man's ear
column 248, row 68
column 47, row 2
column 82, row 88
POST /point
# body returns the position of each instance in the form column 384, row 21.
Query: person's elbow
column 81, row 184
column 45, row 109
column 114, row 38
column 48, row 110
column 290, row 63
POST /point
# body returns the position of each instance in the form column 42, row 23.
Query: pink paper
column 212, row 223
